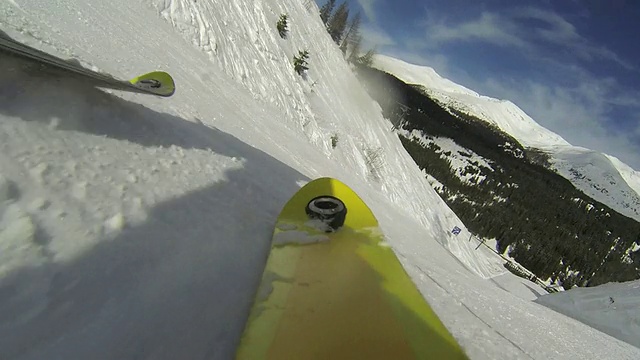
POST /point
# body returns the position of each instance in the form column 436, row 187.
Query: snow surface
column 519, row 287
column 631, row 176
column 612, row 308
column 600, row 176
column 138, row 227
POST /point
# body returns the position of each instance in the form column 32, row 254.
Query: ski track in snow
column 138, row 227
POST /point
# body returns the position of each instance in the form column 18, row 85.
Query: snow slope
column 137, row 227
column 600, row 176
column 518, row 286
column 631, row 176
column 597, row 175
column 462, row 159
column 612, row 308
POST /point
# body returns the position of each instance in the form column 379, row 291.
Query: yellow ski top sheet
column 339, row 295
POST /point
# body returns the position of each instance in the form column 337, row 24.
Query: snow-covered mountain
column 136, row 227
column 501, row 113
column 600, row 176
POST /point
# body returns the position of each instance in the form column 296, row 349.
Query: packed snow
column 596, row 171
column 525, row 290
column 133, row 226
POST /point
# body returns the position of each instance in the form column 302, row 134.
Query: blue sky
column 572, row 65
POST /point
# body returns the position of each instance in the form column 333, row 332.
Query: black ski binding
column 328, row 209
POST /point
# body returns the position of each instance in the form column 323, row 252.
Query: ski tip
column 156, row 82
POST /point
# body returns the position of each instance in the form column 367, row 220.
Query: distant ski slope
column 602, row 177
column 612, row 308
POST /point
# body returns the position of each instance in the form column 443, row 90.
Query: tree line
column 345, row 31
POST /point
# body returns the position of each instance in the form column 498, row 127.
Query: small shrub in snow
column 308, row 4
column 300, row 64
column 334, row 141
column 283, row 25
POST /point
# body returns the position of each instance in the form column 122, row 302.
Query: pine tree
column 367, row 59
column 352, row 36
column 355, row 50
column 326, row 10
column 300, row 62
column 338, row 22
column 283, row 25
column 354, row 27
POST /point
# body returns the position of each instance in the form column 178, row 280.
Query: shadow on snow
column 179, row 285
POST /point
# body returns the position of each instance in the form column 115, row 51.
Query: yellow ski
column 158, row 83
column 333, row 289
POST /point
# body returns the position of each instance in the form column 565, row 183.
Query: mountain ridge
column 612, row 181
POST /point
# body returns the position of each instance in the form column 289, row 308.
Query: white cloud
column 558, row 29
column 561, row 32
column 491, row 28
column 513, row 29
column 368, row 8
column 577, row 113
column 374, row 36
